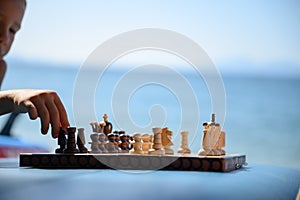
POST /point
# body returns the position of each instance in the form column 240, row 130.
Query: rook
column 71, row 145
column 62, row 141
column 184, row 147
column 157, row 146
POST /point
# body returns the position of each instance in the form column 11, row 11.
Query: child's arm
column 2, row 71
column 45, row 104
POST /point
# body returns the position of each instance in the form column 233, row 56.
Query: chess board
column 126, row 161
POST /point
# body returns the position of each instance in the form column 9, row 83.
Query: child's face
column 11, row 14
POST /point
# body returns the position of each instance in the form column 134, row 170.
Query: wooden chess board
column 133, row 162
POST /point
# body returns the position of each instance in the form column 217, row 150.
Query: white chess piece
column 157, row 145
column 97, row 127
column 100, row 127
column 137, row 148
column 80, row 133
column 146, row 143
column 184, row 147
column 221, row 144
column 213, row 139
column 102, row 142
column 94, row 126
column 95, row 143
column 166, row 138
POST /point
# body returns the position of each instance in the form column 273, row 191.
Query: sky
column 254, row 31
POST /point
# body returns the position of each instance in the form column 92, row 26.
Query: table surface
column 251, row 182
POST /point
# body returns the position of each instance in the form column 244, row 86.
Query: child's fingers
column 54, row 118
column 31, row 109
column 62, row 113
column 44, row 116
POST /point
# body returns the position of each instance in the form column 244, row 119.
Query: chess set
column 118, row 150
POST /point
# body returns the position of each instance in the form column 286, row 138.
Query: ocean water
column 262, row 113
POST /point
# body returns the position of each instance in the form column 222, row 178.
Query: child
column 44, row 104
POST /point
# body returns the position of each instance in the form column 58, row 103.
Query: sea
column 259, row 114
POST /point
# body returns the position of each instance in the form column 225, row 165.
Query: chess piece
column 117, row 140
column 95, row 143
column 125, row 144
column 71, row 145
column 102, row 142
column 157, row 146
column 107, row 126
column 94, row 126
column 136, row 144
column 81, row 141
column 221, row 144
column 213, row 139
column 151, row 141
column 97, row 127
column 62, row 141
column 100, row 128
column 123, row 140
column 184, row 147
column 129, row 139
column 110, row 146
column 146, row 144
column 166, row 139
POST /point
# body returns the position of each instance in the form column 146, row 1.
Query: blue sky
column 260, row 32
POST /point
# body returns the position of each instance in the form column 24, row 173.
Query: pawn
column 71, row 145
column 81, row 141
column 146, row 143
column 184, row 147
column 125, row 144
column 62, row 141
column 136, row 144
column 122, row 140
column 129, row 139
column 110, row 146
column 102, row 142
column 95, row 143
column 121, row 133
column 117, row 141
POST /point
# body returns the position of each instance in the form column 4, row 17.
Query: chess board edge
column 126, row 161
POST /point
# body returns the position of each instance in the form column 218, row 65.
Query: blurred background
column 254, row 44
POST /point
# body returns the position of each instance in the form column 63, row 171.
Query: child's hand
column 45, row 104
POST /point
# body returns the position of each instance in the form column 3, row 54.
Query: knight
column 213, row 139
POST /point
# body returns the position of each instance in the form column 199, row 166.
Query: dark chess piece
column 71, row 145
column 111, row 143
column 117, row 140
column 129, row 139
column 62, row 141
column 95, row 143
column 107, row 129
column 121, row 133
column 81, row 141
column 125, row 144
